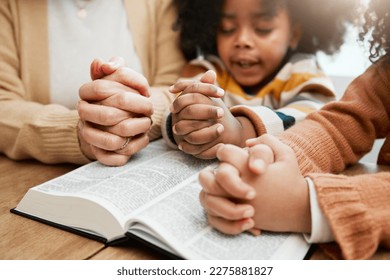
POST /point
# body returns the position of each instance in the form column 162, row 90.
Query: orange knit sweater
column 357, row 208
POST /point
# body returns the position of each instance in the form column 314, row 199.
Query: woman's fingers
column 130, row 102
column 111, row 149
column 131, row 79
column 112, row 65
column 101, row 139
column 100, row 69
column 134, row 145
column 100, row 114
column 109, row 158
column 116, row 95
column 99, row 90
column 128, row 127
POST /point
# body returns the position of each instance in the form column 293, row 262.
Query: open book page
column 179, row 220
column 120, row 190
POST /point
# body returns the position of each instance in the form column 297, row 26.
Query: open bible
column 154, row 198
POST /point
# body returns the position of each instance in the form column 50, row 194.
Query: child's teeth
column 245, row 64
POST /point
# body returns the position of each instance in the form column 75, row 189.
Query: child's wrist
column 247, row 130
column 304, row 217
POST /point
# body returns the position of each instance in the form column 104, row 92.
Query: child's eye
column 263, row 31
column 226, row 31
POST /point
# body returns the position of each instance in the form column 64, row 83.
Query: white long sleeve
column 320, row 229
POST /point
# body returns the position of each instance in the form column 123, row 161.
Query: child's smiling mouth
column 245, row 63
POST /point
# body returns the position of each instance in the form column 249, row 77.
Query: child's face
column 252, row 43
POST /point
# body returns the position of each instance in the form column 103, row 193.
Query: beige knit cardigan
column 30, row 126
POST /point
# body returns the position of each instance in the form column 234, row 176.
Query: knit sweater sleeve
column 339, row 135
column 358, row 210
column 31, row 129
column 344, row 131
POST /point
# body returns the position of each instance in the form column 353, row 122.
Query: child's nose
column 244, row 38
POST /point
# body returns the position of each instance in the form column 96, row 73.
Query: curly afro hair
column 376, row 28
column 323, row 23
column 198, row 22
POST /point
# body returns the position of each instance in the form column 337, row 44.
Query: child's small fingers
column 210, row 153
column 192, row 149
column 252, row 141
column 234, row 155
column 184, row 127
column 262, row 151
column 227, row 176
column 254, row 231
column 209, row 77
column 260, row 156
column 279, row 150
column 257, row 166
column 224, row 208
column 206, row 89
column 185, row 100
column 230, row 227
column 209, row 185
column 204, row 135
column 181, row 85
column 201, row 112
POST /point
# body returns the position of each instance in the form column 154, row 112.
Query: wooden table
column 23, row 238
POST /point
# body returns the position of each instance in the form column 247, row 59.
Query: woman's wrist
column 84, row 146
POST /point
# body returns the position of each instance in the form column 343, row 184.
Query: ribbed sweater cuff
column 60, row 139
column 355, row 229
column 245, row 111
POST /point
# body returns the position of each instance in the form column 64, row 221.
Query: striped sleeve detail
column 266, row 120
column 300, row 109
column 287, row 120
